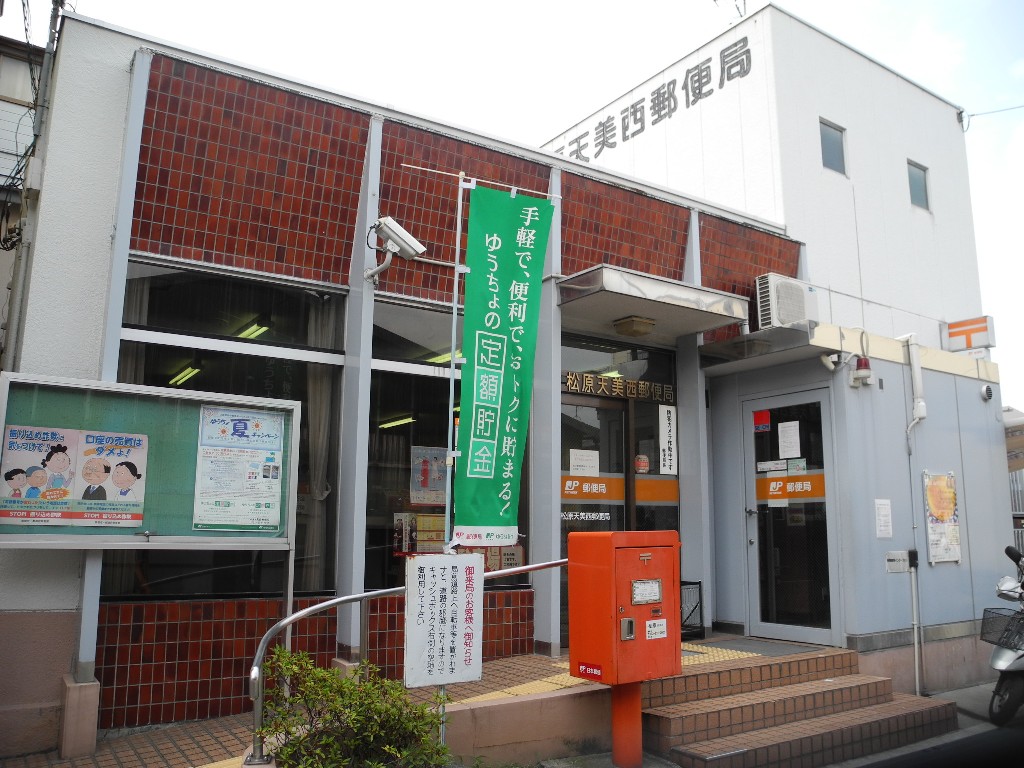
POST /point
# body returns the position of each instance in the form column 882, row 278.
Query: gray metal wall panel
column 961, row 433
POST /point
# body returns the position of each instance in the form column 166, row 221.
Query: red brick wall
column 240, row 173
column 163, row 662
column 246, row 175
column 733, row 255
column 603, row 224
column 425, row 203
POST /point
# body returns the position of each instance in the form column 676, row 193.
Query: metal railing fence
column 256, row 680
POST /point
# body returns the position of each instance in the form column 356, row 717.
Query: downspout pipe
column 918, row 412
column 920, row 409
column 43, row 97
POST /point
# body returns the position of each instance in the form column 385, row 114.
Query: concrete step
column 728, row 678
column 824, row 740
column 712, row 718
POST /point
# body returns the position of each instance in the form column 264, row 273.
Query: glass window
column 407, row 476
column 614, row 359
column 223, row 573
column 413, row 335
column 204, row 304
column 918, row 177
column 832, row 152
column 214, row 305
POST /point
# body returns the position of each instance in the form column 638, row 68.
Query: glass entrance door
column 618, row 470
column 791, row 537
column 593, row 475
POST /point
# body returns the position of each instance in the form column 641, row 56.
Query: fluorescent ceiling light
column 445, row 358
column 252, row 330
column 396, row 423
column 184, row 375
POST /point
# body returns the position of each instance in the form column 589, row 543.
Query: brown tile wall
column 165, row 662
column 426, row 203
column 733, row 255
column 603, row 224
column 239, row 173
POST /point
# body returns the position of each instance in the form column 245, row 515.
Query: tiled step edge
column 826, row 740
column 728, row 678
column 675, row 724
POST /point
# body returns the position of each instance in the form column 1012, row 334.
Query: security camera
column 397, row 240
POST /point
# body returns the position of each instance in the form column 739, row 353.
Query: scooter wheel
column 1006, row 699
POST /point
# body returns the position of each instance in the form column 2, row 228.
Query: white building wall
column 702, row 149
column 753, row 145
column 75, row 226
column 912, row 267
column 72, row 248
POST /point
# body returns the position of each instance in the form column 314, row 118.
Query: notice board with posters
column 99, row 465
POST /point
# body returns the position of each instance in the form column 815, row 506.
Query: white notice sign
column 667, row 438
column 657, row 628
column 443, row 619
column 584, row 463
column 883, row 519
column 789, row 440
column 239, row 464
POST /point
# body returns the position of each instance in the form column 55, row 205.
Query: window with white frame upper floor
column 833, row 153
column 917, row 175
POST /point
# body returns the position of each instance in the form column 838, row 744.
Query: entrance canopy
column 610, row 301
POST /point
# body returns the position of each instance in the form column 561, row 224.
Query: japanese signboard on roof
column 714, row 102
column 506, row 246
column 697, row 83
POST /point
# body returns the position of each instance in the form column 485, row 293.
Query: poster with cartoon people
column 238, row 470
column 56, row 476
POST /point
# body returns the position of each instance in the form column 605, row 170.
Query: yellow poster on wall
column 943, row 517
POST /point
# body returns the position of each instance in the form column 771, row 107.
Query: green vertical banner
column 507, row 242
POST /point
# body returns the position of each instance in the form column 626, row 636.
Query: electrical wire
column 32, row 76
column 964, row 118
column 15, row 179
column 995, row 111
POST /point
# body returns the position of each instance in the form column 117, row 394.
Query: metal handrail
column 256, row 687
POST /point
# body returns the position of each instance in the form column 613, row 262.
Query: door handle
column 751, row 512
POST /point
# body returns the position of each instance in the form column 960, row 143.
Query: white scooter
column 1004, row 628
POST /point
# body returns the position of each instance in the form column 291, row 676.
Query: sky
column 527, row 70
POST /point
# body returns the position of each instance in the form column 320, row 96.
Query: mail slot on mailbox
column 624, row 606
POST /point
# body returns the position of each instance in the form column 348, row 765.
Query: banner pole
column 460, row 269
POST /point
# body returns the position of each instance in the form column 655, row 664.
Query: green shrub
column 316, row 717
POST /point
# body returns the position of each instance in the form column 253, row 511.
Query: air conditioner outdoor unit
column 783, row 301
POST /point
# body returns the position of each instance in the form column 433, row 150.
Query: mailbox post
column 624, row 622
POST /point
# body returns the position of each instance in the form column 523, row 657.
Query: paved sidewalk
column 180, row 745
column 202, row 743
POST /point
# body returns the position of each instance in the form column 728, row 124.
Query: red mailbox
column 624, row 606
column 624, row 621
